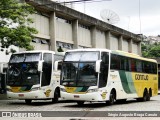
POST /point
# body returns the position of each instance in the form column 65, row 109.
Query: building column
column 120, row 43
column 108, row 40
column 93, row 36
column 130, row 46
column 75, row 34
column 139, row 49
column 52, row 31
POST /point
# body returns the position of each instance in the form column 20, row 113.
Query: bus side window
column 115, row 62
column 133, row 65
column 146, row 67
column 139, row 66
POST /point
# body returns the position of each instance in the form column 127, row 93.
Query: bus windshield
column 82, row 56
column 23, row 69
column 80, row 72
column 28, row 57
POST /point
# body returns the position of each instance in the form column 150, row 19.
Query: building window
column 44, row 42
column 36, row 40
column 83, row 26
column 64, row 20
column 82, row 47
column 64, row 45
column 40, row 40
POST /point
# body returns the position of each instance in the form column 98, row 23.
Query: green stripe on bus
column 124, row 81
column 78, row 89
column 26, row 88
column 84, row 89
column 81, row 89
column 130, row 82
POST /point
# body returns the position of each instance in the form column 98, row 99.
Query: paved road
column 130, row 105
column 88, row 109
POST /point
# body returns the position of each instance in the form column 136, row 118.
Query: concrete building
column 153, row 39
column 59, row 25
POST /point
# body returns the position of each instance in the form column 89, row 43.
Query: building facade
column 59, row 25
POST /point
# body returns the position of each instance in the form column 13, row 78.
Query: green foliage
column 150, row 50
column 60, row 49
column 14, row 24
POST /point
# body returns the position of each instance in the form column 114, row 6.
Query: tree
column 155, row 51
column 14, row 24
column 60, row 49
column 150, row 50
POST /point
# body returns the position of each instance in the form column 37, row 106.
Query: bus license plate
column 76, row 96
column 21, row 95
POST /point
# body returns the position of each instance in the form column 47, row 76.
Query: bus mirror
column 57, row 65
column 98, row 63
column 40, row 64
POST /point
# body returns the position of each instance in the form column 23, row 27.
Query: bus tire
column 28, row 101
column 148, row 98
column 56, row 96
column 80, row 103
column 149, row 95
column 112, row 98
column 145, row 96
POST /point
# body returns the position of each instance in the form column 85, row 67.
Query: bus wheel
column 145, row 96
column 28, row 101
column 80, row 103
column 149, row 95
column 56, row 96
column 112, row 98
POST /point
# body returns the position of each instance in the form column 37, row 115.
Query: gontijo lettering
column 141, row 77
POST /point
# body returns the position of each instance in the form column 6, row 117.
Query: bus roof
column 132, row 55
column 118, row 52
column 42, row 51
column 89, row 49
column 36, row 51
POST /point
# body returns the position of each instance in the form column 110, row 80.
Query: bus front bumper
column 38, row 94
column 95, row 96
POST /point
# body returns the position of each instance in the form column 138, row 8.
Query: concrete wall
column 84, row 36
column 70, row 29
column 63, row 30
column 135, row 48
column 41, row 23
column 114, row 42
column 125, row 45
column 100, row 39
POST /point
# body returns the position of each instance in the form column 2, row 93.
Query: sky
column 136, row 16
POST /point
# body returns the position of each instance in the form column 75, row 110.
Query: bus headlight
column 62, row 89
column 92, row 90
column 36, row 88
column 8, row 89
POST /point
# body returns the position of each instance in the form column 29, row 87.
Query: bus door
column 2, row 83
column 104, row 69
column 3, row 71
column 46, row 70
column 57, row 72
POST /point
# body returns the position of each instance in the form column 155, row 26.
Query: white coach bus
column 34, row 75
column 107, row 75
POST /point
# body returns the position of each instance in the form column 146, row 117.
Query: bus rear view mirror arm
column 40, row 64
column 57, row 65
column 98, row 63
